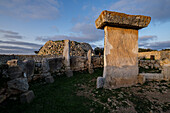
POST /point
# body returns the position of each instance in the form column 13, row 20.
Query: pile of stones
column 57, row 47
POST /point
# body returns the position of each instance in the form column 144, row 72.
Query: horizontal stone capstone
column 122, row 20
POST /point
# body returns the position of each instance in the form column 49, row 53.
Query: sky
column 25, row 25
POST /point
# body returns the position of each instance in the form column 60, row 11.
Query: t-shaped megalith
column 120, row 47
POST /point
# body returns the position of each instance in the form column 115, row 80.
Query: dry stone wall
column 159, row 55
column 15, row 74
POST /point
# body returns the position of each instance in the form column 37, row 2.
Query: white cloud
column 34, row 9
column 18, row 47
column 159, row 10
column 80, row 32
column 147, row 38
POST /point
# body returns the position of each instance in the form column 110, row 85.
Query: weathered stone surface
column 115, row 19
column 20, row 84
column 27, row 97
column 15, row 72
column 66, row 55
column 29, row 66
column 55, row 64
column 45, row 74
column 14, row 62
column 120, row 57
column 49, row 79
column 153, row 76
column 97, row 61
column 141, row 79
column 166, row 71
column 69, row 73
column 100, row 82
column 57, row 47
column 77, row 63
column 45, row 65
column 90, row 66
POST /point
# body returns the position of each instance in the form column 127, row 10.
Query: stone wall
column 159, row 55
column 16, row 71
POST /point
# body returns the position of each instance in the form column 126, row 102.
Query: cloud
column 159, row 10
column 159, row 45
column 34, row 9
column 147, row 38
column 8, row 32
column 13, row 36
column 80, row 32
column 18, row 47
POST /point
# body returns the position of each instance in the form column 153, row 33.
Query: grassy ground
column 78, row 94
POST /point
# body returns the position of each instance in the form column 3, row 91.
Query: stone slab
column 115, row 19
column 120, row 57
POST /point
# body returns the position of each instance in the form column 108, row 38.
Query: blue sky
column 25, row 25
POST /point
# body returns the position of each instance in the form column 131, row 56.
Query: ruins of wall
column 159, row 55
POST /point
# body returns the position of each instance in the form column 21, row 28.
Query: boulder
column 20, row 84
column 15, row 72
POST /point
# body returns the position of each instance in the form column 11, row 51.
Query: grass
column 78, row 94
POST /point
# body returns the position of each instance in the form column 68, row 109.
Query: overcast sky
column 25, row 25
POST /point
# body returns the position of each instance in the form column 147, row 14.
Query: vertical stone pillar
column 66, row 55
column 90, row 66
column 120, row 47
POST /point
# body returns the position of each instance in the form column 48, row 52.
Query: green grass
column 58, row 97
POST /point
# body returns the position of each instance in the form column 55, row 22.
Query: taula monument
column 120, row 48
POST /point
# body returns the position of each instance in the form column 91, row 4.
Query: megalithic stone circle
column 120, row 47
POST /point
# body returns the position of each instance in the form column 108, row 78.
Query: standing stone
column 27, row 97
column 90, row 66
column 66, row 55
column 120, row 47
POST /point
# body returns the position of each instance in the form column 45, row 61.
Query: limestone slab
column 115, row 19
column 120, row 57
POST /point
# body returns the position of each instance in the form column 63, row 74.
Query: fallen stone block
column 49, row 79
column 27, row 97
column 100, row 82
